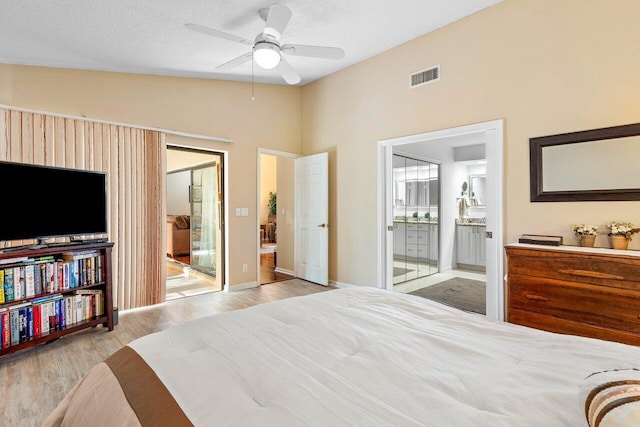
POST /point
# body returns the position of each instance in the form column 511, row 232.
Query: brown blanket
column 123, row 390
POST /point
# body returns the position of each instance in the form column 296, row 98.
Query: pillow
column 611, row 398
column 182, row 221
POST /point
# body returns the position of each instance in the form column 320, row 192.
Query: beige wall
column 268, row 184
column 201, row 106
column 544, row 66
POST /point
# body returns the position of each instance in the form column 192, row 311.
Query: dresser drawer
column 619, row 272
column 601, row 306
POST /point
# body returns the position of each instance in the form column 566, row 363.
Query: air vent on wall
column 424, row 77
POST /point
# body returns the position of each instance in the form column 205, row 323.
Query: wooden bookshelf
column 99, row 279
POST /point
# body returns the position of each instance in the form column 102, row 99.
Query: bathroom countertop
column 412, row 221
column 467, row 222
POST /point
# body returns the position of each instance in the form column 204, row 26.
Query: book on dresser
column 48, row 292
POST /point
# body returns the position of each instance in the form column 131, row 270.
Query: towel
column 463, row 207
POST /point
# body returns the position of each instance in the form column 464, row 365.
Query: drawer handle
column 587, row 273
column 537, row 297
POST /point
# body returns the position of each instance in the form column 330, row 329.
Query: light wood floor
column 34, row 381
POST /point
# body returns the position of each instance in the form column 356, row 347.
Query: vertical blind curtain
column 135, row 163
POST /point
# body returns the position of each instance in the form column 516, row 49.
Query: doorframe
column 257, row 216
column 495, row 166
column 225, row 209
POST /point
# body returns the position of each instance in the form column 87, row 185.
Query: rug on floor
column 398, row 271
column 465, row 294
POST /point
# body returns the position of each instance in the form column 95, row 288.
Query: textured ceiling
column 149, row 36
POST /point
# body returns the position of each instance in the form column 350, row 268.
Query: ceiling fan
column 266, row 48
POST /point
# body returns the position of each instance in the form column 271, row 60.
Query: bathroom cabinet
column 470, row 245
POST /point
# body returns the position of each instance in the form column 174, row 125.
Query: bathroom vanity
column 470, row 243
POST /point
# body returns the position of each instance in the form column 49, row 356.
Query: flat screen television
column 41, row 202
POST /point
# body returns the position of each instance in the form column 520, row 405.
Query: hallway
column 268, row 273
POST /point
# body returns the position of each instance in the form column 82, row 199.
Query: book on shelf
column 14, row 327
column 87, row 253
column 29, row 280
column 61, row 314
column 45, row 312
column 77, row 300
column 44, row 317
column 16, row 260
column 6, row 327
column 18, row 322
column 18, row 280
column 8, row 285
column 50, row 276
column 1, row 286
column 30, row 328
column 24, row 322
column 40, row 266
column 95, row 302
column 37, row 320
column 69, row 307
column 37, row 279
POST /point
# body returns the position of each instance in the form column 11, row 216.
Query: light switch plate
column 245, row 211
column 238, row 211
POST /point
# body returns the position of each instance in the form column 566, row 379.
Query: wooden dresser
column 592, row 292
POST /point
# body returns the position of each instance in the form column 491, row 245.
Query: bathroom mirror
column 477, row 185
column 594, row 165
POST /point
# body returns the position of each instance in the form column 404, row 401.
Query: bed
column 354, row 356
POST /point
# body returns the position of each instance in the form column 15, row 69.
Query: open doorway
column 275, row 216
column 195, row 247
column 469, row 222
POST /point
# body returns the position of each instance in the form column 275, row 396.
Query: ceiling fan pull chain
column 253, row 98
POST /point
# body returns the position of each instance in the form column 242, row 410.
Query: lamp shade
column 266, row 55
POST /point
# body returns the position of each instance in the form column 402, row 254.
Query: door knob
column 324, row 226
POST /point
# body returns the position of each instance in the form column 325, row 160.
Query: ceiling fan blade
column 324, row 52
column 216, row 33
column 235, row 62
column 287, row 72
column 277, row 21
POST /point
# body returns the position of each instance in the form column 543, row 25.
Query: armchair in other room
column 178, row 235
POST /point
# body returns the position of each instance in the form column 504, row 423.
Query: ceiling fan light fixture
column 266, row 55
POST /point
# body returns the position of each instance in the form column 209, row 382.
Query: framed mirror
column 593, row 165
column 477, row 185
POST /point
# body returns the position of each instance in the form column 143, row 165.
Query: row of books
column 40, row 316
column 29, row 277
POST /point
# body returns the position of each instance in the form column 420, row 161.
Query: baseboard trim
column 241, row 286
column 287, row 272
column 341, row 284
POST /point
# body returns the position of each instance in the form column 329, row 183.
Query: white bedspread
column 368, row 357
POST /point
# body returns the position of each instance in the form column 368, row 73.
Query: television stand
column 18, row 248
column 91, row 240
column 90, row 292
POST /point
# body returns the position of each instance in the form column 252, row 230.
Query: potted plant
column 586, row 234
column 621, row 233
column 272, row 203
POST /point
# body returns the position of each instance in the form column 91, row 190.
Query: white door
column 311, row 183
